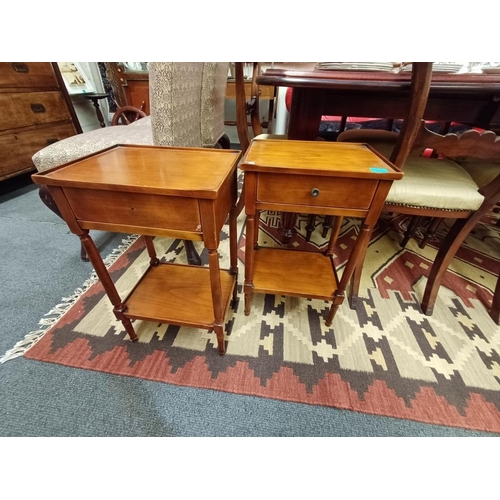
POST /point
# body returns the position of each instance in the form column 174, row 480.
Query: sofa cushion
column 80, row 145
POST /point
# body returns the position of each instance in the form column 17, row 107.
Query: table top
column 465, row 82
column 186, row 172
column 334, row 159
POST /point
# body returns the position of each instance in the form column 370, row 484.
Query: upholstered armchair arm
column 77, row 146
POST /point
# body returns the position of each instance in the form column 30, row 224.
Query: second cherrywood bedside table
column 312, row 177
column 184, row 193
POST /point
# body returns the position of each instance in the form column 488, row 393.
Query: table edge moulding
column 175, row 192
column 312, row 177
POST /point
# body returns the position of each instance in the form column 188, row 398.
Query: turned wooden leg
column 335, row 234
column 213, row 262
column 192, row 255
column 287, row 228
column 355, row 262
column 327, row 225
column 311, row 218
column 101, row 271
column 414, row 222
column 233, row 250
column 153, row 259
column 249, row 262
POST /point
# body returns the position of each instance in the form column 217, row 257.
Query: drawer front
column 315, row 191
column 26, row 75
column 135, row 209
column 22, row 109
column 16, row 149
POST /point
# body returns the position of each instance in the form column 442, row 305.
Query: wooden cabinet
column 130, row 86
column 35, row 112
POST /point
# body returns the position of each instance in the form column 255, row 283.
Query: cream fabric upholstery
column 481, row 171
column 213, row 97
column 75, row 147
column 427, row 182
column 175, row 103
column 435, row 183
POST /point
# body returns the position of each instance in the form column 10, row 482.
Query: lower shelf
column 289, row 272
column 178, row 294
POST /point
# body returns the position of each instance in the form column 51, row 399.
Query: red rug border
column 427, row 399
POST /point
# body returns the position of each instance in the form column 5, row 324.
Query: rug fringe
column 58, row 311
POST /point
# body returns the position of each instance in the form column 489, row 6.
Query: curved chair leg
column 192, row 255
column 49, row 202
column 495, row 305
column 452, row 242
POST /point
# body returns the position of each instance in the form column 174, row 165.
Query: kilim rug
column 384, row 358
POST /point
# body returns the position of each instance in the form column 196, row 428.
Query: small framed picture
column 77, row 82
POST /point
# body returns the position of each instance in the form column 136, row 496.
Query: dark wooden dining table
column 468, row 98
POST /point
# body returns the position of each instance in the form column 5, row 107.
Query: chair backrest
column 419, row 92
column 187, row 103
column 483, row 145
column 244, row 108
column 478, row 152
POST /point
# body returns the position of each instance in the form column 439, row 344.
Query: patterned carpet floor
column 384, row 358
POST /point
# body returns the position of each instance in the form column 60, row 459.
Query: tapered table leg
column 355, row 262
column 118, row 307
column 213, row 263
column 233, row 250
column 249, row 262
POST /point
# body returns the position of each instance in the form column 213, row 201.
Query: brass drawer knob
column 314, row 192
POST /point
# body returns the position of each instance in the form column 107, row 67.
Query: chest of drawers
column 36, row 111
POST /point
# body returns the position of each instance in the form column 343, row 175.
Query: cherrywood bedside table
column 312, row 177
column 184, row 193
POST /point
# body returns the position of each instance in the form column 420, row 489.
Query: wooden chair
column 248, row 112
column 478, row 153
column 441, row 187
column 388, row 143
column 125, row 115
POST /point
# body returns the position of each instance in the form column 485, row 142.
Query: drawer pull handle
column 38, row 108
column 315, row 192
column 20, row 67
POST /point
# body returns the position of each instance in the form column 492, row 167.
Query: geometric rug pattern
column 383, row 358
